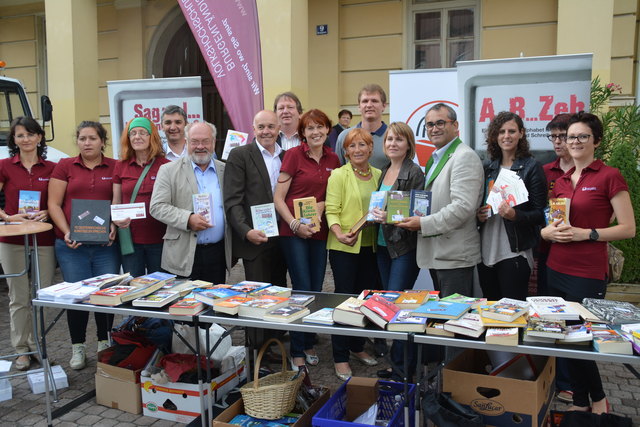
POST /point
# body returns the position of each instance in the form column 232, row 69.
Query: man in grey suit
column 250, row 178
column 449, row 242
column 193, row 247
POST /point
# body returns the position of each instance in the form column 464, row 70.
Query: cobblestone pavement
column 27, row 409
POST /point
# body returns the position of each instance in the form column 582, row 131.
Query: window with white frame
column 443, row 32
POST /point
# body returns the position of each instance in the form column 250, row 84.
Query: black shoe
column 384, row 373
column 380, row 347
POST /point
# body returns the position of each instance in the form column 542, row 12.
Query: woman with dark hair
column 508, row 238
column 352, row 254
column 140, row 152
column 25, row 170
column 305, row 172
column 577, row 266
column 87, row 176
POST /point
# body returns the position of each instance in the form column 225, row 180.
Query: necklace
column 359, row 172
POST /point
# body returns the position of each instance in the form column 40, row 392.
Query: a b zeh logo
column 416, row 120
column 487, row 407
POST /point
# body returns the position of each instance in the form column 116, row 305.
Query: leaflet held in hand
column 264, row 219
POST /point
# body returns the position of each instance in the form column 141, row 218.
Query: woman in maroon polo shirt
column 577, row 266
column 305, row 172
column 25, row 170
column 140, row 145
column 87, row 176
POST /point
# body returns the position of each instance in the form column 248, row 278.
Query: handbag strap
column 139, row 183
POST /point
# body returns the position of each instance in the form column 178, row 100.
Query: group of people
column 296, row 154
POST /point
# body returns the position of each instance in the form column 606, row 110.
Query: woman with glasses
column 87, row 176
column 577, row 266
column 25, row 170
column 140, row 152
column 509, row 237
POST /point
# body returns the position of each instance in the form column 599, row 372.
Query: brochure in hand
column 90, row 221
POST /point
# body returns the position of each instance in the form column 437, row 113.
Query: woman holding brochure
column 396, row 252
column 304, row 173
column 577, row 266
column 352, row 253
column 25, row 170
column 509, row 236
column 87, row 176
column 141, row 156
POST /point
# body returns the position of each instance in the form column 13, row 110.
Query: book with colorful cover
column 156, row 299
column 576, row 333
column 234, row 139
column 473, row 302
column 324, row 316
column 610, row 341
column 546, row 328
column 390, row 296
column 306, row 210
column 520, row 322
column 616, row 312
column 348, row 313
column 441, row 310
column 379, row 310
column 502, row 336
column 378, row 200
column 415, row 298
column 231, row 305
column 264, row 219
column 398, row 206
column 210, row 296
column 146, row 285
column 506, row 309
column 28, row 202
column 203, row 206
column 559, row 210
column 259, row 306
column 469, row 325
column 110, row 296
column 273, row 290
column 287, row 313
column 435, row 327
column 552, row 308
column 420, row 203
column 301, row 299
column 187, row 306
column 248, row 286
column 403, row 321
column 106, row 280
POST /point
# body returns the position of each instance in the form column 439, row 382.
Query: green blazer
column 343, row 204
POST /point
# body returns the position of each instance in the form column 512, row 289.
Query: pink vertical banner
column 229, row 38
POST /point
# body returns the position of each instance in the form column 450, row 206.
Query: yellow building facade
column 323, row 50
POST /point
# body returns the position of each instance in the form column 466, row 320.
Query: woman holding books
column 352, row 252
column 141, row 156
column 304, row 173
column 577, row 266
column 508, row 237
column 87, row 176
column 25, row 171
column 396, row 252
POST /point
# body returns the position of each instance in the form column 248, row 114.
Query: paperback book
column 273, row 290
column 231, row 305
column 559, row 210
column 90, row 221
column 348, row 313
column 287, row 313
column 187, row 306
column 106, row 280
column 390, row 296
column 264, row 219
column 259, row 306
column 378, row 200
column 502, row 336
column 247, row 286
column 576, row 334
column 360, row 224
column 545, row 328
column 211, row 296
column 520, row 322
column 420, row 203
column 301, row 299
column 306, row 210
column 610, row 341
column 435, row 327
column 28, row 202
column 616, row 312
column 234, row 139
column 414, row 299
column 156, row 299
column 473, row 302
column 146, row 285
column 203, row 206
column 441, row 310
column 398, row 206
column 552, row 308
column 379, row 310
column 506, row 310
column 469, row 325
column 324, row 316
column 111, row 296
column 403, row 321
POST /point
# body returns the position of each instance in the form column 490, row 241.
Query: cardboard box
column 237, row 408
column 361, row 394
column 118, row 388
column 501, row 401
column 36, row 380
column 180, row 402
column 6, row 392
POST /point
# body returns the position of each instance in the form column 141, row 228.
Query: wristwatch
column 594, row 236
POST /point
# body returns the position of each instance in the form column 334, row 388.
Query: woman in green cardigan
column 352, row 254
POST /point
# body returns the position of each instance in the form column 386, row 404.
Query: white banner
column 148, row 98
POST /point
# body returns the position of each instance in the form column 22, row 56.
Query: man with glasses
column 193, row 246
column 449, row 242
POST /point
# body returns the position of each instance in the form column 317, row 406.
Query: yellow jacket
column 343, row 204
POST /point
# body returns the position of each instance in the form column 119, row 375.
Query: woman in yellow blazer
column 352, row 255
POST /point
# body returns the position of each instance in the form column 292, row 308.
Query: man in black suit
column 250, row 179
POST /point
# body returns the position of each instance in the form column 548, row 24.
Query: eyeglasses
column 439, row 124
column 578, row 139
column 138, row 133
column 562, row 137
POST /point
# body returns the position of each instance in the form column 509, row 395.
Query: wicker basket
column 274, row 395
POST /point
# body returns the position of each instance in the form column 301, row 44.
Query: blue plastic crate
column 333, row 412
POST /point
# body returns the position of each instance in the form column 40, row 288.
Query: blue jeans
column 145, row 259
column 307, row 261
column 397, row 274
column 82, row 263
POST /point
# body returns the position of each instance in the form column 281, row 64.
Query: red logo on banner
column 424, row 147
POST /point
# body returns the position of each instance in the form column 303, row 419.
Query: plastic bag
column 215, row 332
column 446, row 412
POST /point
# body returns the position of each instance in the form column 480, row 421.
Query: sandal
column 312, row 359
